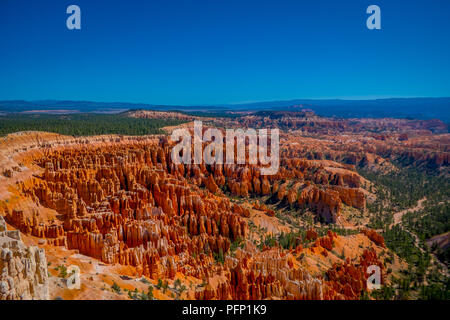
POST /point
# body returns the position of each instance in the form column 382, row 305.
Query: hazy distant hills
column 418, row 108
column 63, row 106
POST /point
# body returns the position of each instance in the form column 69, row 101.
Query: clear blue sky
column 217, row 51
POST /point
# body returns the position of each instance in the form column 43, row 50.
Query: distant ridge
column 416, row 108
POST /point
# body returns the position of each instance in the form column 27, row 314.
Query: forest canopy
column 83, row 124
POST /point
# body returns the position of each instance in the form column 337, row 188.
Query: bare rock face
column 23, row 270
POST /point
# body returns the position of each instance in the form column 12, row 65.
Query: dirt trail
column 398, row 215
column 398, row 221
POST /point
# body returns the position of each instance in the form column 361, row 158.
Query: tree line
column 84, row 124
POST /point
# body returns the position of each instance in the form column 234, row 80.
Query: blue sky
column 215, row 51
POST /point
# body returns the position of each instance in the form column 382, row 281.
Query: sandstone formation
column 128, row 204
column 258, row 275
column 24, row 274
column 348, row 280
column 374, row 236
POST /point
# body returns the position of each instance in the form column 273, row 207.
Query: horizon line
column 237, row 103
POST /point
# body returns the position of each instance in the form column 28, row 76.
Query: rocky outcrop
column 24, row 274
column 353, row 197
column 258, row 275
column 374, row 236
column 326, row 202
column 327, row 241
column 348, row 280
